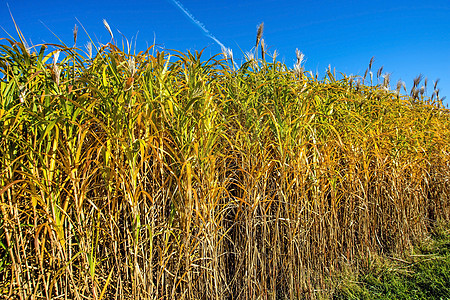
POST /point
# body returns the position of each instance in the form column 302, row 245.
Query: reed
column 169, row 176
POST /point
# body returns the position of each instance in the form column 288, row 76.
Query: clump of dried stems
column 137, row 177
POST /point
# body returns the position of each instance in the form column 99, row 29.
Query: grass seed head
column 89, row 49
column 298, row 69
column 386, row 80
column 300, row 56
column 22, row 93
column 380, row 70
column 415, row 94
column 435, row 84
column 56, row 70
column 227, row 53
column 259, row 33
column 131, row 65
column 399, row 86
column 417, row 80
column 108, row 28
column 422, row 90
column 56, row 74
column 263, row 50
column 75, row 34
column 371, row 62
column 250, row 56
column 55, row 57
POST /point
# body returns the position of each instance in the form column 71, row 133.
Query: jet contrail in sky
column 198, row 23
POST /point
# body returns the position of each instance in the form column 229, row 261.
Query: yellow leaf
column 104, row 81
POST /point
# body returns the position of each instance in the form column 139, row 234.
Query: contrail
column 198, row 23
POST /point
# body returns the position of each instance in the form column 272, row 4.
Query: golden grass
column 169, row 176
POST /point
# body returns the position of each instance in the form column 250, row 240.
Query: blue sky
column 406, row 37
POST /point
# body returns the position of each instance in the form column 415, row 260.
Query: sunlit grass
column 424, row 274
column 166, row 175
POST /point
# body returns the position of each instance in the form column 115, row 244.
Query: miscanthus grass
column 163, row 175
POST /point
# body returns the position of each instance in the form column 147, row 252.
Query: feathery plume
column 89, row 49
column 275, row 54
column 298, row 65
column 131, row 65
column 417, row 80
column 380, row 70
column 371, row 62
column 259, row 33
column 56, row 74
column 399, row 86
column 358, row 84
column 436, row 83
column 422, row 90
column 300, row 56
column 250, row 56
column 298, row 69
column 386, row 80
column 108, row 28
column 227, row 53
column 56, row 70
column 415, row 94
column 263, row 50
column 75, row 34
column 365, row 74
column 55, row 57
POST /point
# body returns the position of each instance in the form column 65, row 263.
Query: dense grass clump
column 168, row 176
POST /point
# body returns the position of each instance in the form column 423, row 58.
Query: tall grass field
column 168, row 175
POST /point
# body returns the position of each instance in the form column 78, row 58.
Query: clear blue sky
column 406, row 37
